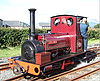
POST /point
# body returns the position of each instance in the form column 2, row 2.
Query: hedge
column 15, row 37
column 94, row 34
column 12, row 37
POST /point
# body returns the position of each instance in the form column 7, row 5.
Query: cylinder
column 32, row 23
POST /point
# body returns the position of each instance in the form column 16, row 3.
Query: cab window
column 56, row 22
column 69, row 21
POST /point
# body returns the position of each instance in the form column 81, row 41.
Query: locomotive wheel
column 28, row 51
column 17, row 70
column 89, row 56
column 66, row 51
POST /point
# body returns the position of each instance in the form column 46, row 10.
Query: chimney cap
column 32, row 9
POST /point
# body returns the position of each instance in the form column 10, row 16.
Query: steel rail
column 15, row 78
column 87, row 74
column 6, row 64
column 5, row 68
column 35, row 79
column 94, row 49
column 69, row 72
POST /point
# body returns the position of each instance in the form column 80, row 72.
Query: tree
column 97, row 26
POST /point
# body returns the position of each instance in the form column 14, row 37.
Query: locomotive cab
column 69, row 24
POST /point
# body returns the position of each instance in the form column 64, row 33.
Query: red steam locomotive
column 56, row 50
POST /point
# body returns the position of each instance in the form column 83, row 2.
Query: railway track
column 78, row 73
column 16, row 78
column 68, row 74
column 4, row 66
column 94, row 49
column 61, row 75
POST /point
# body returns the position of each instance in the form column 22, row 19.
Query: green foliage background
column 12, row 37
column 97, row 26
column 15, row 37
column 94, row 33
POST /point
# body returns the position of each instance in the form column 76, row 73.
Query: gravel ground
column 95, row 77
column 6, row 74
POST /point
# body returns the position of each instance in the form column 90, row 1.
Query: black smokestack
column 32, row 22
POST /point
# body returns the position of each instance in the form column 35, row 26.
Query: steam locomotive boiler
column 44, row 52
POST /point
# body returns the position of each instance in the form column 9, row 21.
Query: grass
column 93, row 41
column 16, row 51
column 10, row 51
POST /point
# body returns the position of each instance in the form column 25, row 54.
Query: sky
column 18, row 9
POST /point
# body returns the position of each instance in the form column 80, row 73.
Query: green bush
column 12, row 37
column 15, row 37
column 94, row 34
column 97, row 26
column 41, row 30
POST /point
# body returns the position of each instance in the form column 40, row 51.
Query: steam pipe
column 32, row 23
